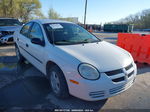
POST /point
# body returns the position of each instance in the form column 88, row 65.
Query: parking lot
column 23, row 87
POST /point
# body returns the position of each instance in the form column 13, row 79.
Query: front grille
column 4, row 33
column 116, row 89
column 128, row 67
column 118, row 79
column 10, row 39
column 97, row 94
column 120, row 75
column 130, row 74
column 114, row 72
column 120, row 88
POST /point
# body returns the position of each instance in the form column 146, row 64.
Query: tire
column 19, row 56
column 58, row 82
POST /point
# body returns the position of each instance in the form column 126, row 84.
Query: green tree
column 68, row 19
column 52, row 14
column 6, row 8
column 22, row 9
column 28, row 9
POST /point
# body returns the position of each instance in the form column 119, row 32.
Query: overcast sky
column 99, row 11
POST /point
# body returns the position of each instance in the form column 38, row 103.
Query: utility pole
column 85, row 14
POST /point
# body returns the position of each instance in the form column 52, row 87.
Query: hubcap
column 55, row 82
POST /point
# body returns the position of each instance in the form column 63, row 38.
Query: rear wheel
column 58, row 82
column 19, row 56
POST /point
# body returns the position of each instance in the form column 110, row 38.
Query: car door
column 36, row 51
column 23, row 39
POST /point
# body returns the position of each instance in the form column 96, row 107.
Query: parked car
column 7, row 28
column 75, row 61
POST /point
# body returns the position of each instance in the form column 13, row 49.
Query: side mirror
column 37, row 41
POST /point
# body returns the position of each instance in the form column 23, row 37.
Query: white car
column 75, row 61
column 7, row 28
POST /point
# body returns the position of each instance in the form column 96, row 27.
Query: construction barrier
column 138, row 45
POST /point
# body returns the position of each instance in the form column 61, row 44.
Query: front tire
column 58, row 82
column 19, row 56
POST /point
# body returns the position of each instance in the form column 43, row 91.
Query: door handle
column 27, row 45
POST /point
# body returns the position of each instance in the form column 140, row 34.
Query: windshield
column 68, row 34
column 9, row 22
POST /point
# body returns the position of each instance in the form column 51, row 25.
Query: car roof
column 44, row 21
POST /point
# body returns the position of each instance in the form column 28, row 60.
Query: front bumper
column 7, row 39
column 102, row 88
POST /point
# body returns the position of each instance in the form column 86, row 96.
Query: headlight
column 88, row 71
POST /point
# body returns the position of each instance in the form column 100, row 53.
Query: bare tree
column 140, row 20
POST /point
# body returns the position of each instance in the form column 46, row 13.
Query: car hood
column 9, row 28
column 103, row 55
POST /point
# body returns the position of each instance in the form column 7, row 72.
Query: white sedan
column 75, row 61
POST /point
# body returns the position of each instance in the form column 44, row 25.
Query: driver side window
column 36, row 32
column 25, row 29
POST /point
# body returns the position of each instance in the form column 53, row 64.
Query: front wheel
column 19, row 56
column 58, row 82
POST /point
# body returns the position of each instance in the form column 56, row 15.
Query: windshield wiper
column 92, row 40
column 61, row 41
column 87, row 40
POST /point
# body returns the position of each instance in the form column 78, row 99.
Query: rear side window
column 36, row 32
column 25, row 29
